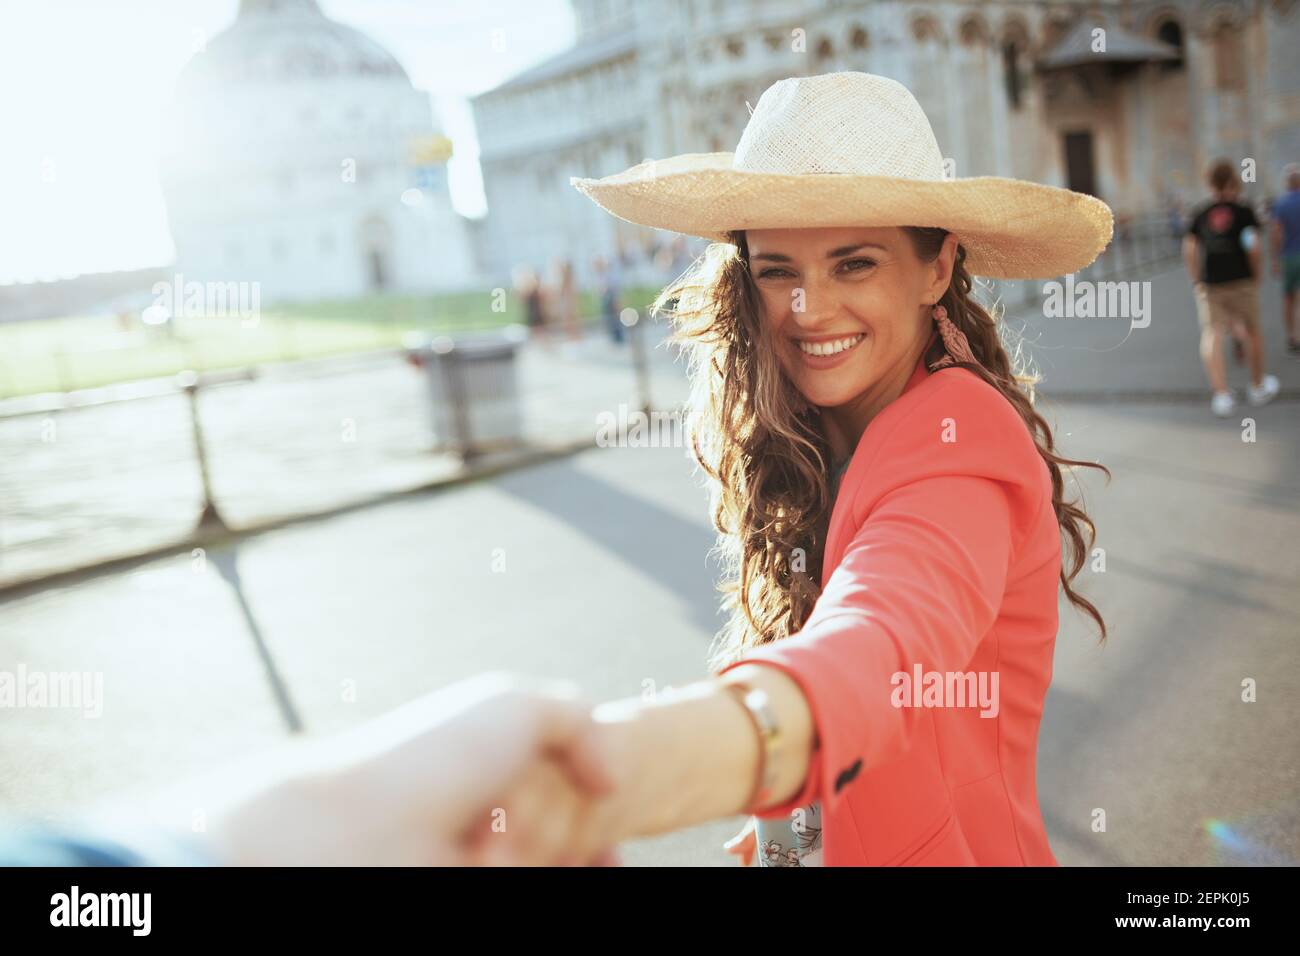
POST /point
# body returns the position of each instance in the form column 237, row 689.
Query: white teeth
column 832, row 347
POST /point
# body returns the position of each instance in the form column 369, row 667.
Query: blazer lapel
column 841, row 530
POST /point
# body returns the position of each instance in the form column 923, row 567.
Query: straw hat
column 855, row 149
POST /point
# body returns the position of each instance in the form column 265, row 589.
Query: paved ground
column 606, row 581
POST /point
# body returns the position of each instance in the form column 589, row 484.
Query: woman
column 891, row 504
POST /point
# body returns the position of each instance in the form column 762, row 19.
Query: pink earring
column 954, row 340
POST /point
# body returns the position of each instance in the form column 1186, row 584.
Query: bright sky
column 83, row 83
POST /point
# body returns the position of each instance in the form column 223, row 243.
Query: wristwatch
column 759, row 708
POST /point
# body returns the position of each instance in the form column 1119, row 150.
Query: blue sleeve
column 42, row 845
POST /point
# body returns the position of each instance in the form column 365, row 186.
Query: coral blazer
column 944, row 552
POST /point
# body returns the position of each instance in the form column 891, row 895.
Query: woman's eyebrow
column 833, row 254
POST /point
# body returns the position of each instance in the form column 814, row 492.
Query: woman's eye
column 849, row 265
column 858, row 264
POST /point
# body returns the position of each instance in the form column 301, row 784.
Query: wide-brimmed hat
column 856, row 149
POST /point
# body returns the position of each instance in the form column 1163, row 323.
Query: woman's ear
column 941, row 269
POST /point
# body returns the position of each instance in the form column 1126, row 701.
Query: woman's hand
column 744, row 845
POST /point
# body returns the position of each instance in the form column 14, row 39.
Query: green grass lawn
column 59, row 355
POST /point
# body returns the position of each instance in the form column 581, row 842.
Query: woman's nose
column 813, row 305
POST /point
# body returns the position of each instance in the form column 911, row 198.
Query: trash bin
column 473, row 385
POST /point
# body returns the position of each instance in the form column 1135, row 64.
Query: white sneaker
column 1222, row 404
column 1267, row 391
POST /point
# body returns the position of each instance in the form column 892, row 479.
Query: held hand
column 537, row 824
column 418, row 785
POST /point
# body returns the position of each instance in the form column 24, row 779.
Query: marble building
column 1020, row 89
column 300, row 156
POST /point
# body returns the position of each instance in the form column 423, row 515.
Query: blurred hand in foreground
column 492, row 770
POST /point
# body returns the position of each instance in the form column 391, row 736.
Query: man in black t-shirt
column 1221, row 252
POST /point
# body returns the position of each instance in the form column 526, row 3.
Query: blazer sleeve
column 920, row 582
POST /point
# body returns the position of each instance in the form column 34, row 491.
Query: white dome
column 284, row 40
column 291, row 143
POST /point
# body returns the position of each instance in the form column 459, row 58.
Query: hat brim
column 1011, row 228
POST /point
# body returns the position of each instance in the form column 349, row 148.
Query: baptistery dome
column 277, row 40
column 298, row 154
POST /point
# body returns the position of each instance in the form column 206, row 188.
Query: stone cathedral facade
column 1023, row 88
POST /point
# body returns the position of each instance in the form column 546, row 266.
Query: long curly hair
column 763, row 446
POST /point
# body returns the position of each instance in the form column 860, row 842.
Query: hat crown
column 857, row 124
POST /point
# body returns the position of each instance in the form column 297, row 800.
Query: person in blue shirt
column 1286, row 253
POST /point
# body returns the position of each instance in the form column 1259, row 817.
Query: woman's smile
column 825, row 352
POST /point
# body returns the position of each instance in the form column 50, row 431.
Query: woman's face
column 849, row 308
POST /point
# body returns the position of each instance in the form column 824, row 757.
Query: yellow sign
column 428, row 150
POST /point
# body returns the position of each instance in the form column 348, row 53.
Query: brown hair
column 761, row 443
column 1221, row 173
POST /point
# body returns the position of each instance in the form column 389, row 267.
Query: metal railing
column 1138, row 243
column 271, row 422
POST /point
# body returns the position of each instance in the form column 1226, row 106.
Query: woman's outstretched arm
column 693, row 756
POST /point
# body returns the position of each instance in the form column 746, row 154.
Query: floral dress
column 797, row 839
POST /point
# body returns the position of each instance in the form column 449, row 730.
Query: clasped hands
column 495, row 770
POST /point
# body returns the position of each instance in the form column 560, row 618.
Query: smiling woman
column 801, row 337
column 847, row 300
column 887, row 499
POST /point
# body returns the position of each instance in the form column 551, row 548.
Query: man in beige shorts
column 1230, row 307
column 1221, row 252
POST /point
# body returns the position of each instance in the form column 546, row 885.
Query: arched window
column 1011, row 77
column 1171, row 34
column 1054, row 31
column 972, row 32
column 1229, row 70
column 858, row 39
column 1015, row 53
column 925, row 29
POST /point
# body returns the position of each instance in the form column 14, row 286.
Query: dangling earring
column 954, row 340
